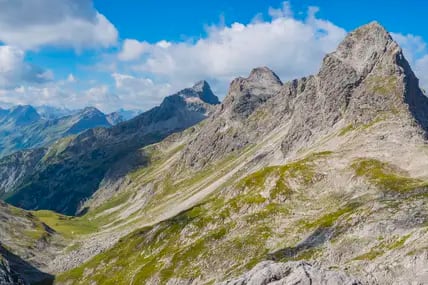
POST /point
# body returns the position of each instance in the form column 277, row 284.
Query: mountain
column 20, row 116
column 33, row 243
column 22, row 127
column 319, row 180
column 51, row 113
column 115, row 118
column 122, row 115
column 44, row 178
column 87, row 118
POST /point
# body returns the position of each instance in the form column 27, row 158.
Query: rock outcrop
column 270, row 273
column 366, row 78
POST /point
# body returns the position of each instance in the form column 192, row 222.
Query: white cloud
column 416, row 52
column 413, row 46
column 164, row 44
column 66, row 23
column 61, row 95
column 15, row 71
column 143, row 73
column 284, row 12
column 139, row 92
column 291, row 47
column 132, row 49
column 128, row 92
column 421, row 70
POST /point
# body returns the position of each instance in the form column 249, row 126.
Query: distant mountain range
column 31, row 179
column 26, row 127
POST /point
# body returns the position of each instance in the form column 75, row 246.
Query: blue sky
column 130, row 54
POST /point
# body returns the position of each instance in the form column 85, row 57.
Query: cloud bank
column 67, row 23
column 138, row 74
column 15, row 71
column 291, row 47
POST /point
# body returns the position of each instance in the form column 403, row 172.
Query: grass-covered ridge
column 228, row 233
column 257, row 217
column 66, row 226
column 386, row 176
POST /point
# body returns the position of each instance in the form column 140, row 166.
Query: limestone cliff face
column 291, row 273
column 366, row 78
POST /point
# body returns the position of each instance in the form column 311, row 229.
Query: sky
column 131, row 54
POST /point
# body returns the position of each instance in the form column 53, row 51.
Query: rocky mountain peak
column 88, row 118
column 21, row 115
column 201, row 90
column 90, row 112
column 365, row 46
column 201, row 86
column 265, row 75
column 246, row 94
column 369, row 58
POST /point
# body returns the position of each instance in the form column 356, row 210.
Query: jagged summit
column 366, row 79
column 246, row 94
column 201, row 90
column 206, row 94
column 265, row 74
column 368, row 44
column 369, row 60
column 89, row 112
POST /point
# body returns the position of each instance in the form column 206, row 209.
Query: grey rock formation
column 236, row 123
column 15, row 167
column 26, row 245
column 203, row 91
column 365, row 78
column 291, row 273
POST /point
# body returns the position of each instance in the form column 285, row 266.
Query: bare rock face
column 246, row 94
column 16, row 167
column 227, row 129
column 366, row 78
column 203, row 91
column 271, row 273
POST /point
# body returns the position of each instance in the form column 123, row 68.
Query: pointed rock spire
column 362, row 48
column 246, row 94
column 205, row 93
column 264, row 74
